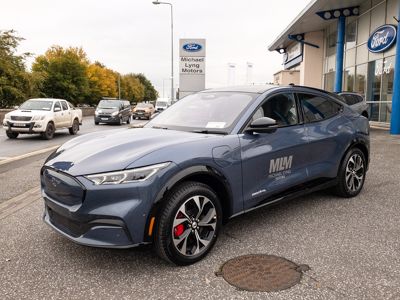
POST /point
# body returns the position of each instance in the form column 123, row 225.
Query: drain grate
column 261, row 273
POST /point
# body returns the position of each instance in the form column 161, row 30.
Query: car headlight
column 38, row 118
column 96, row 113
column 115, row 113
column 127, row 176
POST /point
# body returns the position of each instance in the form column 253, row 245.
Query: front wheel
column 49, row 133
column 128, row 121
column 352, row 173
column 12, row 135
column 75, row 127
column 188, row 224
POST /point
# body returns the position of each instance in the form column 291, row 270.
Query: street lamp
column 172, row 48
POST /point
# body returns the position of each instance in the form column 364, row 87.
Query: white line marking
column 15, row 158
column 13, row 205
column 4, row 157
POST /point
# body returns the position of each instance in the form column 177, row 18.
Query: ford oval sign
column 192, row 47
column 382, row 38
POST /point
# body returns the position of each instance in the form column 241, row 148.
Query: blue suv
column 208, row 158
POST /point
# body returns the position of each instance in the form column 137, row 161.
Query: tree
column 64, row 73
column 16, row 84
column 150, row 92
column 102, row 82
column 131, row 88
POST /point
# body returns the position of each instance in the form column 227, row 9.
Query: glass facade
column 369, row 74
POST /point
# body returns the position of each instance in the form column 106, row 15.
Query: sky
column 134, row 35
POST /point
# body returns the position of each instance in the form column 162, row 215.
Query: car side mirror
column 57, row 109
column 262, row 125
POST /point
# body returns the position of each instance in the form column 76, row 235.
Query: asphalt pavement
column 351, row 245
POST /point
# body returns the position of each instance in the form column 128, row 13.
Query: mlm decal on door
column 280, row 167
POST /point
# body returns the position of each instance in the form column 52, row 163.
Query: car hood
column 26, row 112
column 114, row 149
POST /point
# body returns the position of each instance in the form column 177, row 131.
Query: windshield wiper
column 206, row 131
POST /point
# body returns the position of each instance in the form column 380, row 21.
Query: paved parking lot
column 352, row 247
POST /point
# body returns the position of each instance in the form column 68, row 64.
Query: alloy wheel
column 194, row 226
column 354, row 172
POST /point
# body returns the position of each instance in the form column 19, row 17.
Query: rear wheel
column 188, row 224
column 75, row 127
column 12, row 135
column 352, row 173
column 49, row 133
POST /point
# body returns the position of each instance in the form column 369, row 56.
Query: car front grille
column 61, row 187
column 21, row 118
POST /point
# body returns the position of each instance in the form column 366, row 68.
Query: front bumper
column 24, row 127
column 141, row 115
column 109, row 216
column 107, row 119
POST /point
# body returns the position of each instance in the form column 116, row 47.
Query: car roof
column 46, row 99
column 257, row 89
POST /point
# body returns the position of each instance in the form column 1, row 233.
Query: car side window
column 281, row 108
column 64, row 105
column 317, row 108
column 57, row 105
column 71, row 106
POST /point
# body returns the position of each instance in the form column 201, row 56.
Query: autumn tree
column 102, row 82
column 64, row 72
column 131, row 88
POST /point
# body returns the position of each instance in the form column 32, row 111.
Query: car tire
column 12, row 135
column 351, row 176
column 188, row 224
column 75, row 127
column 128, row 121
column 49, row 133
column 96, row 123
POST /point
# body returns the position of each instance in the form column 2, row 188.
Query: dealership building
column 346, row 46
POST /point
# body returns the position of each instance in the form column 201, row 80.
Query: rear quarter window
column 317, row 108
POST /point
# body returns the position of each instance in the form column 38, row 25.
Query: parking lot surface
column 351, row 245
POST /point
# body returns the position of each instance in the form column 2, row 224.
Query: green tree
column 16, row 84
column 131, row 88
column 150, row 93
column 64, row 73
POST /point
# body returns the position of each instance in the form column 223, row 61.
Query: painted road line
column 13, row 205
column 19, row 157
column 4, row 157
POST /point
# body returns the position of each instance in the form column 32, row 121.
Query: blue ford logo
column 382, row 38
column 192, row 47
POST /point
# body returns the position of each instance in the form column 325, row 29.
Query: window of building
column 348, row 79
column 317, row 108
column 360, row 81
column 329, row 81
column 385, row 109
column 363, row 28
column 351, row 34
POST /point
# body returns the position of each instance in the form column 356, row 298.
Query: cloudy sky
column 133, row 35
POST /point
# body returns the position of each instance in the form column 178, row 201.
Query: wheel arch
column 362, row 146
column 203, row 174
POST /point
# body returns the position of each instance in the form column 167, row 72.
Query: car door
column 273, row 162
column 58, row 114
column 66, row 114
column 326, row 131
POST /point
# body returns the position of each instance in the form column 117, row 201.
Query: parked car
column 113, row 112
column 43, row 116
column 210, row 157
column 143, row 110
column 356, row 102
column 162, row 104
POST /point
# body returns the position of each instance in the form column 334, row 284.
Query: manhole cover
column 261, row 273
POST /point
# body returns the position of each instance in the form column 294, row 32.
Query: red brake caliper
column 178, row 230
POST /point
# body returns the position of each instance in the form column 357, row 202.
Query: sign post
column 192, row 66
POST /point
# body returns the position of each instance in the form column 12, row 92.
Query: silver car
column 357, row 102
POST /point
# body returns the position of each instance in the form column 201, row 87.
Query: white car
column 43, row 116
column 162, row 104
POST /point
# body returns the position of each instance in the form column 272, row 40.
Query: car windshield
column 208, row 112
column 109, row 104
column 36, row 105
column 161, row 103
